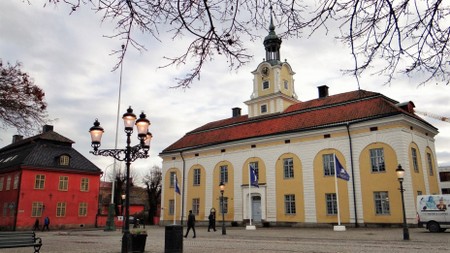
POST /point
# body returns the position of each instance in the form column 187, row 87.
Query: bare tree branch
column 408, row 37
column 22, row 104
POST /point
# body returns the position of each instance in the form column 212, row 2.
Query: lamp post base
column 405, row 233
column 126, row 242
column 110, row 225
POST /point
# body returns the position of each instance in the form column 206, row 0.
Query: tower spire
column 272, row 44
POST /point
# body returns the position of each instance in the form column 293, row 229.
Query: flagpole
column 338, row 227
column 337, row 191
column 175, row 199
column 250, row 194
column 250, row 226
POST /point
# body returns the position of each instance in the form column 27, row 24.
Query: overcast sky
column 69, row 57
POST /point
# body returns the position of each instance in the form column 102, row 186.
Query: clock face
column 265, row 71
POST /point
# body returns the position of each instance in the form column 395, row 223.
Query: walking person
column 190, row 224
column 46, row 224
column 212, row 221
column 36, row 225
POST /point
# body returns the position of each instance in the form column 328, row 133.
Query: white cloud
column 68, row 56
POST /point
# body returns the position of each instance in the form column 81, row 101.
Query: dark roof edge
column 41, row 136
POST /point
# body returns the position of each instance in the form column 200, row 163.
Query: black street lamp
column 129, row 154
column 400, row 174
column 222, row 189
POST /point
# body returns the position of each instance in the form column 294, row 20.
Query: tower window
column 263, row 108
column 286, row 84
column 265, row 85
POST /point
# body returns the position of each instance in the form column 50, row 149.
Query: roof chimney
column 323, row 91
column 236, row 112
column 407, row 106
column 47, row 128
column 17, row 138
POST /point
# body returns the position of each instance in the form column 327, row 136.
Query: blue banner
column 340, row 171
column 253, row 177
column 177, row 189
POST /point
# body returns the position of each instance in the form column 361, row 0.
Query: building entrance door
column 256, row 208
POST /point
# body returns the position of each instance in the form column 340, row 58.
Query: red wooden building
column 44, row 176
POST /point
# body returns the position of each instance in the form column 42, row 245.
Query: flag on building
column 253, row 177
column 177, row 188
column 340, row 171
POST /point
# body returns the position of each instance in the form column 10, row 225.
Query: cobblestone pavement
column 237, row 239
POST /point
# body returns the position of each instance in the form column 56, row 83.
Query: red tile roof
column 352, row 106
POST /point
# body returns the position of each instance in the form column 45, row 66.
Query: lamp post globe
column 142, row 125
column 400, row 172
column 400, row 176
column 129, row 119
column 96, row 132
column 147, row 140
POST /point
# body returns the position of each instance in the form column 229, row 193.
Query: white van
column 433, row 212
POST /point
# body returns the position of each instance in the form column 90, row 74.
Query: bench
column 20, row 239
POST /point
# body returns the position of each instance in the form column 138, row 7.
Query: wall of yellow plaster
column 271, row 89
column 382, row 181
column 169, row 194
column 290, row 186
column 196, row 191
column 229, row 190
column 326, row 184
column 433, row 180
column 418, row 181
column 286, row 75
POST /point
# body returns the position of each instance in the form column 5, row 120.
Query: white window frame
column 84, row 184
column 381, row 201
column 328, row 165
column 430, row 164
column 171, row 207
column 288, row 168
column 82, row 209
column 223, row 174
column 197, row 177
column 61, row 208
column 377, row 160
column 331, row 203
column 289, row 204
column 196, row 206
column 16, row 182
column 63, row 183
column 414, row 159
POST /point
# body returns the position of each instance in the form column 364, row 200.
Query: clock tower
column 273, row 81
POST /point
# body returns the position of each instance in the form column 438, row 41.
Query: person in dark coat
column 190, row 224
column 212, row 221
column 36, row 225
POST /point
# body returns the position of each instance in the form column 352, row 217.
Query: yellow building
column 292, row 145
